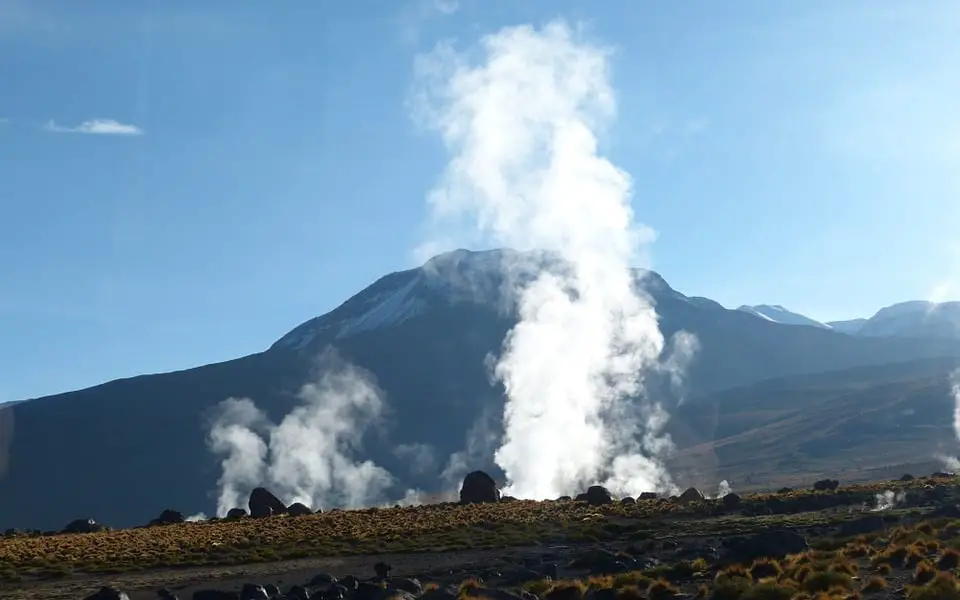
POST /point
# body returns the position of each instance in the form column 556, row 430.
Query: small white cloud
column 96, row 127
column 447, row 7
column 417, row 13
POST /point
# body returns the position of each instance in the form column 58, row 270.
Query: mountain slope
column 779, row 314
column 857, row 424
column 122, row 451
column 917, row 318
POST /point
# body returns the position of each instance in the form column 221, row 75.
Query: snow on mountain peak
column 779, row 314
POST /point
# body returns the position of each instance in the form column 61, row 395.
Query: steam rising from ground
column 307, row 457
column 955, row 388
column 521, row 125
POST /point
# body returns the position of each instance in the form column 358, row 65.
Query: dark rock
column 564, row 499
column 411, row 585
column 272, row 590
column 167, row 517
column 581, row 497
column 165, row 594
column 251, row 591
column 322, row 580
column 335, row 592
column 941, row 475
column 264, row 504
column 382, row 569
column 773, row 543
column 867, row 524
column 298, row 510
column 731, row 501
column 906, row 477
column 507, row 499
column 478, row 487
column 628, row 501
column 84, row 526
column 298, row 592
column 369, row 591
column 349, row 582
column 784, row 490
column 215, row 595
column 690, row 495
column 236, row 513
column 597, row 495
column 108, row 593
column 450, row 592
column 826, row 485
column 648, row 496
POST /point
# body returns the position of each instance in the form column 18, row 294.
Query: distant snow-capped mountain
column 916, row 318
column 779, row 314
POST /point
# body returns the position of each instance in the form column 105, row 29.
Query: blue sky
column 182, row 182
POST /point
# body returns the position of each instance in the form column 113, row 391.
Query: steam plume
column 521, row 125
column 307, row 456
column 955, row 388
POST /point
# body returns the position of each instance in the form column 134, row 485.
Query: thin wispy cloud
column 418, row 13
column 96, row 127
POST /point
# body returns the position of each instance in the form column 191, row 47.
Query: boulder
column 690, row 495
column 298, row 509
column 167, row 517
column 647, row 496
column 826, row 485
column 236, row 513
column 252, row 591
column 597, row 495
column 108, row 593
column 264, row 504
column 84, row 526
column 731, row 501
column 478, row 487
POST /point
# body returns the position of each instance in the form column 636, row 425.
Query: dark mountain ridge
column 122, row 451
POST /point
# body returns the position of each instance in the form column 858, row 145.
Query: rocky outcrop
column 264, row 504
column 167, row 517
column 478, row 487
column 84, row 526
column 826, row 485
column 690, row 495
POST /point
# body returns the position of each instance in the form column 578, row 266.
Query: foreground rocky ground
column 884, row 540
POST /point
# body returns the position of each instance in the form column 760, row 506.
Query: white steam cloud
column 308, row 456
column 526, row 172
column 955, row 389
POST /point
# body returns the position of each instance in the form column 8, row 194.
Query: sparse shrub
column 943, row 587
column 915, row 555
column 844, row 566
column 857, row 550
column 661, row 589
column 567, row 590
column 874, row 584
column 764, row 568
column 924, row 572
column 769, row 591
column 729, row 588
column 825, row 581
column 949, row 560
